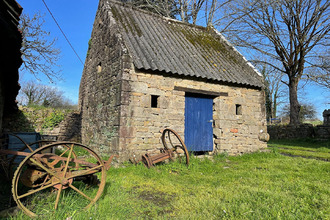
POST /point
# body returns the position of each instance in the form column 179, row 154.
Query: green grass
column 313, row 122
column 309, row 148
column 252, row 186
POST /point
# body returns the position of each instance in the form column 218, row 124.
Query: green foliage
column 33, row 94
column 53, row 119
column 307, row 111
column 314, row 122
column 36, row 118
column 251, row 186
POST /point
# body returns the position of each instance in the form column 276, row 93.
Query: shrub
column 53, row 119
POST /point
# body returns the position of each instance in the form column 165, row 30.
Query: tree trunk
column 294, row 104
column 274, row 107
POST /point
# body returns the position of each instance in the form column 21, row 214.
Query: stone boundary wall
column 321, row 132
column 68, row 130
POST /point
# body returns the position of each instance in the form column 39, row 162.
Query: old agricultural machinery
column 174, row 148
column 47, row 173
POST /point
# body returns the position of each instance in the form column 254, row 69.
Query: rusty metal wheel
column 61, row 174
column 14, row 160
column 172, row 141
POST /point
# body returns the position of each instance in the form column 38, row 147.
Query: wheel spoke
column 81, row 193
column 44, row 168
column 58, row 197
column 37, row 190
column 85, row 172
column 60, row 171
column 67, row 162
column 45, row 181
column 64, row 152
column 169, row 138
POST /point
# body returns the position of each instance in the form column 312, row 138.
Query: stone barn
column 145, row 72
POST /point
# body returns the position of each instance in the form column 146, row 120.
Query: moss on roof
column 127, row 22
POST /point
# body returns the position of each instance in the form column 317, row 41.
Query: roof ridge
column 130, row 5
column 207, row 29
column 239, row 53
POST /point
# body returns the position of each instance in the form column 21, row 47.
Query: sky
column 76, row 18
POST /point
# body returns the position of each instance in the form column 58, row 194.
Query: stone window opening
column 99, row 67
column 238, row 109
column 154, row 101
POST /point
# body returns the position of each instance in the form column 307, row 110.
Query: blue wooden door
column 198, row 123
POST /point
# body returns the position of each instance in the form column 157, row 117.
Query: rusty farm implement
column 47, row 174
column 174, row 148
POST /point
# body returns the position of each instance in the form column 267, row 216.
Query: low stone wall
column 299, row 131
column 69, row 129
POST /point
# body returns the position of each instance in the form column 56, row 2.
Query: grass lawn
column 308, row 148
column 252, row 186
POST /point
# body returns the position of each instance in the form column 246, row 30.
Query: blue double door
column 198, row 122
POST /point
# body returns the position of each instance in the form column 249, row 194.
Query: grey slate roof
column 161, row 44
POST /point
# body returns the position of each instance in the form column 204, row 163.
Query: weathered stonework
column 320, row 132
column 101, row 85
column 115, row 100
column 235, row 134
column 70, row 128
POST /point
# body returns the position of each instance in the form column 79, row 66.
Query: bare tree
column 307, row 111
column 324, row 67
column 34, row 94
column 188, row 10
column 184, row 10
column 293, row 32
column 273, row 90
column 39, row 53
column 167, row 8
column 210, row 13
column 31, row 93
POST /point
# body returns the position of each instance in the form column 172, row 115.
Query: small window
column 99, row 67
column 238, row 109
column 154, row 101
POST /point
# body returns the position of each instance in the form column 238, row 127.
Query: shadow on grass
column 306, row 142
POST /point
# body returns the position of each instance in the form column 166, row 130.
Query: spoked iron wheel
column 172, row 141
column 58, row 175
column 14, row 162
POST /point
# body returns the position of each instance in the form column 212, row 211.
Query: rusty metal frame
column 38, row 164
column 168, row 152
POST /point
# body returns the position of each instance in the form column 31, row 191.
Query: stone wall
column 68, row 130
column 140, row 123
column 321, row 132
column 101, row 85
column 30, row 119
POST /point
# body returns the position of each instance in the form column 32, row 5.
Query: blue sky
column 76, row 18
